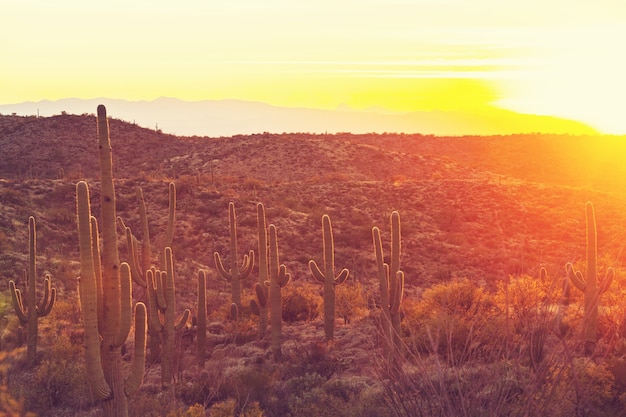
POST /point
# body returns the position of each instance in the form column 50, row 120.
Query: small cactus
column 235, row 273
column 328, row 277
column 29, row 313
column 588, row 284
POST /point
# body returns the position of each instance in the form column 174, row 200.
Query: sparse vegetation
column 481, row 327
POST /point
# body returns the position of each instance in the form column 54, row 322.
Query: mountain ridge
column 228, row 117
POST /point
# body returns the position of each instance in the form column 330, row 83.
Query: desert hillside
column 478, row 214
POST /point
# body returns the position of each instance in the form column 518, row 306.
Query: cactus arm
column 343, row 275
column 383, row 271
column 247, row 265
column 138, row 275
column 576, row 277
column 160, row 279
column 125, row 306
column 47, row 302
column 89, row 294
column 316, row 271
column 283, row 277
column 18, row 306
column 95, row 254
column 154, row 323
column 220, row 267
column 396, row 302
column 184, row 319
column 135, row 378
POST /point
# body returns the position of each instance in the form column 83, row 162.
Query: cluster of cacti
column 162, row 313
column 588, row 283
column 328, row 277
column 235, row 273
column 105, row 294
column 29, row 313
column 141, row 262
column 391, row 280
column 259, row 306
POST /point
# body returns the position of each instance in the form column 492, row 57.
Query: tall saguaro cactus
column 162, row 299
column 29, row 313
column 588, row 284
column 105, row 294
column 278, row 278
column 259, row 306
column 328, row 277
column 391, row 280
column 235, row 273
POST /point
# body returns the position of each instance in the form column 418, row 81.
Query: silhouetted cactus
column 235, row 273
column 328, row 277
column 105, row 293
column 391, row 280
column 259, row 306
column 29, row 313
column 278, row 278
column 588, row 283
column 162, row 299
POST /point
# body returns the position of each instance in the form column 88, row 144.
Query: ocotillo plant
column 259, row 306
column 328, row 277
column 278, row 278
column 391, row 280
column 201, row 318
column 106, row 305
column 235, row 273
column 29, row 313
column 588, row 283
column 162, row 298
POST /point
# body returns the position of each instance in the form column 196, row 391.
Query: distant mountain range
column 232, row 117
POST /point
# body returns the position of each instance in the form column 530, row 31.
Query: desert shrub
column 456, row 320
column 196, row 410
column 57, row 382
column 582, row 388
column 228, row 408
column 350, row 301
column 301, row 302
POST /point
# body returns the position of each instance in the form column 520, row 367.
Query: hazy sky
column 553, row 57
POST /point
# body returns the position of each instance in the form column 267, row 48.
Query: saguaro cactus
column 588, row 283
column 259, row 306
column 105, row 294
column 278, row 278
column 391, row 280
column 201, row 318
column 235, row 273
column 328, row 277
column 29, row 314
column 162, row 299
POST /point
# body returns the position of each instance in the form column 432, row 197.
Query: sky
column 562, row 58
